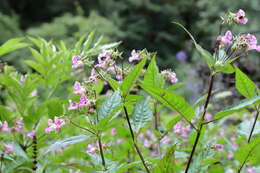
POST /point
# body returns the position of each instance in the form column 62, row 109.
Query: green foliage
column 109, row 105
column 12, row 45
column 245, row 85
column 142, row 114
column 237, row 107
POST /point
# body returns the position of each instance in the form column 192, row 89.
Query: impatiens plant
column 91, row 108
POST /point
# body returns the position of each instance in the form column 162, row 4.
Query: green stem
column 201, row 122
column 133, row 138
column 253, row 127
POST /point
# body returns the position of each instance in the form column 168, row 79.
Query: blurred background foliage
column 137, row 23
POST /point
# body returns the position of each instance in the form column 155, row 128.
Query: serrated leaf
column 236, row 107
column 109, row 105
column 244, row 85
column 152, row 76
column 172, row 101
column 142, row 114
column 66, row 142
column 130, row 79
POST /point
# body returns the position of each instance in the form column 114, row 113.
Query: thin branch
column 253, row 127
column 201, row 122
column 101, row 152
column 83, row 128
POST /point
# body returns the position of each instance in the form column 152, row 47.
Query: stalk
column 201, row 122
column 133, row 139
column 101, row 152
column 253, row 127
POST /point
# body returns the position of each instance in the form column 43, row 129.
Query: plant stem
column 253, row 127
column 239, row 170
column 156, row 117
column 1, row 162
column 133, row 138
column 201, row 122
column 101, row 152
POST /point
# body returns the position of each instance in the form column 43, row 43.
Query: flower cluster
column 169, row 76
column 94, row 148
column 134, row 56
column 235, row 18
column 18, row 128
column 76, row 62
column 55, row 125
column 181, row 129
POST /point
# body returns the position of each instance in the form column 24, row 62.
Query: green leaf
column 244, row 85
column 142, row 114
column 130, row 79
column 113, row 83
column 175, row 86
column 225, row 68
column 172, row 101
column 109, row 105
column 87, row 43
column 167, row 163
column 237, row 107
column 11, row 45
column 152, row 76
column 66, row 142
column 246, row 152
column 55, row 107
column 216, row 168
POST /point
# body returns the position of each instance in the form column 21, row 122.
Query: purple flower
column 134, row 56
column 76, row 62
column 78, row 89
column 56, row 125
column 166, row 140
column 91, row 149
column 84, row 102
column 169, row 76
column 230, row 155
column 181, row 56
column 72, row 105
column 31, row 134
column 182, row 130
column 105, row 59
column 18, row 125
column 219, row 147
column 251, row 170
column 9, row 148
column 240, row 17
column 5, row 127
column 226, row 39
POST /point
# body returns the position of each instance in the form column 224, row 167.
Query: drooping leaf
column 130, row 79
column 241, row 105
column 245, row 85
column 109, row 105
column 208, row 57
column 11, row 45
column 172, row 101
column 152, row 76
column 66, row 142
column 142, row 114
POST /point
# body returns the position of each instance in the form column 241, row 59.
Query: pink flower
column 105, row 59
column 5, row 127
column 208, row 117
column 230, row 155
column 219, row 147
column 91, row 149
column 119, row 77
column 227, row 38
column 181, row 129
column 84, row 102
column 113, row 132
column 166, row 140
column 9, row 148
column 72, row 105
column 244, row 117
column 240, row 17
column 19, row 125
column 76, row 62
column 134, row 56
column 78, row 89
column 56, row 125
column 93, row 75
column 169, row 76
column 251, row 170
column 252, row 41
column 119, row 141
column 31, row 134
